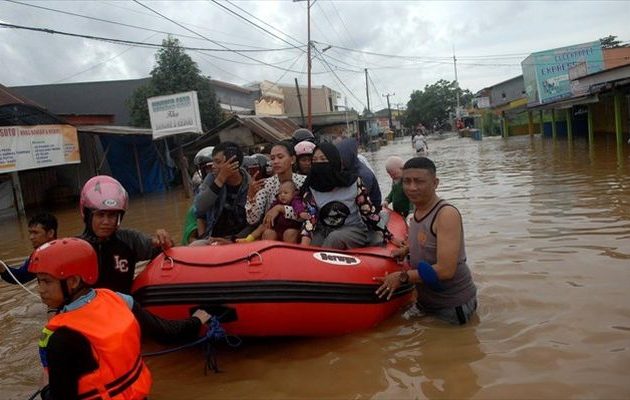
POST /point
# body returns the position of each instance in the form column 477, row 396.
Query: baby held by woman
column 276, row 226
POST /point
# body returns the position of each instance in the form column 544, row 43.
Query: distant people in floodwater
column 396, row 199
column 420, row 145
column 281, row 228
column 337, row 202
column 437, row 251
column 42, row 228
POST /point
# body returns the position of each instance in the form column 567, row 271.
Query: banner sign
column 38, row 146
column 550, row 70
column 173, row 114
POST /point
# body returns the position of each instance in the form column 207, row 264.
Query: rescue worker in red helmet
column 86, row 352
column 103, row 204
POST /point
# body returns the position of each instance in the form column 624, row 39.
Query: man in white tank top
column 436, row 250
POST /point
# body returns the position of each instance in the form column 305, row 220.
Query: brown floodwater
column 547, row 229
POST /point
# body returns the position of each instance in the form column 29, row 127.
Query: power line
column 269, row 25
column 255, row 24
column 102, row 62
column 208, row 39
column 136, row 43
column 323, row 60
column 116, row 22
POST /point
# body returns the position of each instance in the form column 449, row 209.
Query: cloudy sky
column 405, row 45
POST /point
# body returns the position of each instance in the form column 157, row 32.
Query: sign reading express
column 552, row 68
column 173, row 114
column 28, row 147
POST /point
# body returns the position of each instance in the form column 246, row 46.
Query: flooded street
column 547, row 229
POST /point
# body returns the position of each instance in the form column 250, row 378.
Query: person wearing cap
column 304, row 155
column 84, row 350
column 103, row 204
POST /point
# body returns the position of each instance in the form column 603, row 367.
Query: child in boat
column 281, row 227
column 396, row 199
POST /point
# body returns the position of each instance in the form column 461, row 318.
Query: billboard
column 546, row 73
column 174, row 113
column 38, row 146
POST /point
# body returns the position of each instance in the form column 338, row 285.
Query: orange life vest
column 114, row 335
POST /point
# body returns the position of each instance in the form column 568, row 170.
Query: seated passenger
column 203, row 165
column 304, row 155
column 262, row 193
column 220, row 203
column 281, row 228
column 348, row 150
column 337, row 203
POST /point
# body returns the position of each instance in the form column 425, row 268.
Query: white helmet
column 304, row 148
column 203, row 156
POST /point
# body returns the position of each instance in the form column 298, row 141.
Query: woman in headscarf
column 349, row 151
column 339, row 208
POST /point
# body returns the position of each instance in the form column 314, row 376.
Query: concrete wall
column 323, row 99
column 507, row 91
column 616, row 57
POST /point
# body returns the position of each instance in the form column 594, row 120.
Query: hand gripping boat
column 275, row 289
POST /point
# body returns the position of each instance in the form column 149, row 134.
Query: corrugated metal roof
column 272, row 129
column 114, row 130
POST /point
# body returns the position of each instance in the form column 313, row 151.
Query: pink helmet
column 304, row 147
column 103, row 192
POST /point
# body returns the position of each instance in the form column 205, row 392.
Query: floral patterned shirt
column 257, row 208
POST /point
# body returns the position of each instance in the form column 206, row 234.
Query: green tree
column 433, row 104
column 174, row 71
column 610, row 42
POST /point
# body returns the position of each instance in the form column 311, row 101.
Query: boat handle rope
column 271, row 247
column 169, row 259
column 6, row 268
column 214, row 334
column 252, row 255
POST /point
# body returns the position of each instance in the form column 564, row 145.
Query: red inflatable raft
column 272, row 288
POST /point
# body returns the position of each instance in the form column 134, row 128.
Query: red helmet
column 304, row 148
column 103, row 192
column 63, row 258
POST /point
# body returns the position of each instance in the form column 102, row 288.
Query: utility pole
column 297, row 89
column 367, row 91
column 308, row 55
column 456, row 85
column 389, row 110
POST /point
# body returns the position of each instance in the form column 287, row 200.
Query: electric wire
column 255, row 24
column 208, row 39
column 135, row 43
column 116, row 22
